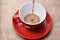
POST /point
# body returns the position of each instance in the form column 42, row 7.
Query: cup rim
column 27, row 22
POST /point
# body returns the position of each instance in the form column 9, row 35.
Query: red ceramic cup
column 39, row 10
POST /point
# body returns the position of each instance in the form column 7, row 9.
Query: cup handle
column 16, row 18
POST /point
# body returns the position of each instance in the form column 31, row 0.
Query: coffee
column 31, row 18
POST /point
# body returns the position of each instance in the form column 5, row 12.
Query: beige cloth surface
column 9, row 7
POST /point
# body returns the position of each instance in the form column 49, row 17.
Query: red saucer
column 29, row 34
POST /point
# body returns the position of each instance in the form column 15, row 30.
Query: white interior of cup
column 39, row 10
